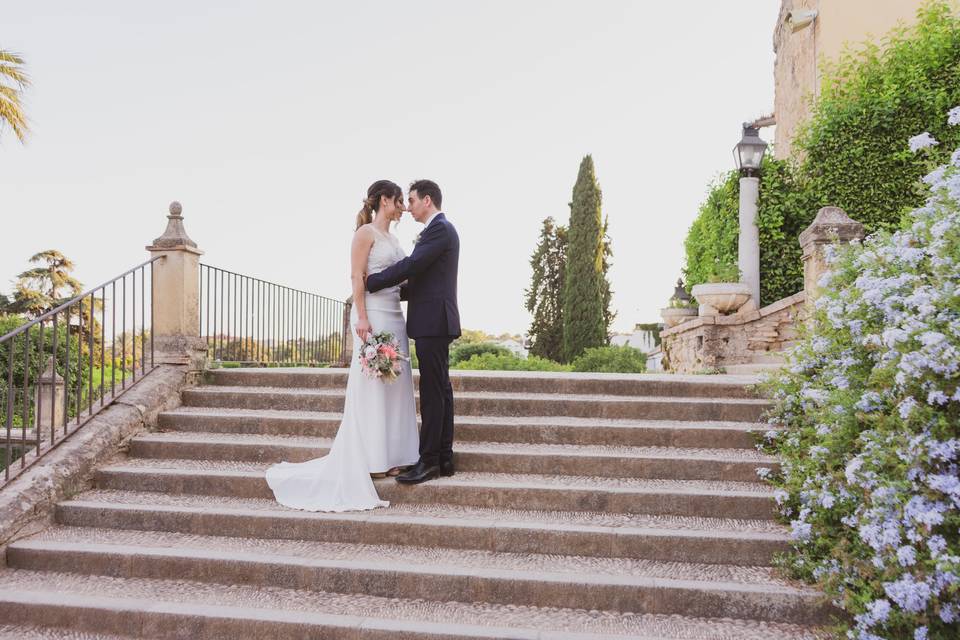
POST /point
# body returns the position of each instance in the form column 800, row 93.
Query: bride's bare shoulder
column 364, row 232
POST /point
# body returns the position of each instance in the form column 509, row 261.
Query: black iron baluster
column 208, row 312
column 133, row 328
column 53, row 382
column 66, row 374
column 143, row 322
column 25, row 409
column 113, row 345
column 123, row 334
column 153, row 303
column 103, row 342
column 38, row 409
column 91, row 328
column 9, row 412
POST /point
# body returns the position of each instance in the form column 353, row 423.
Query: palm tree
column 13, row 80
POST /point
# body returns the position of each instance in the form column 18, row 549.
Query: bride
column 378, row 435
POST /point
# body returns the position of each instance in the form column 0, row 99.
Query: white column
column 748, row 247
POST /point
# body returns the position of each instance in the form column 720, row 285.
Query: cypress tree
column 544, row 298
column 608, row 313
column 584, row 297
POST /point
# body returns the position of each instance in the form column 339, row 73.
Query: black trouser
column 436, row 400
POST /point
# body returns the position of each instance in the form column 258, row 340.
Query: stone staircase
column 584, row 506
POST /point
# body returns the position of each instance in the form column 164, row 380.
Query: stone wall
column 711, row 343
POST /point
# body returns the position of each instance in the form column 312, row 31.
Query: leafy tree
column 40, row 289
column 584, row 321
column 13, row 80
column 544, row 298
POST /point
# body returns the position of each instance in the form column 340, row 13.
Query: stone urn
column 717, row 298
column 672, row 316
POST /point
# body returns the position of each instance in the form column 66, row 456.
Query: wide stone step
column 530, row 429
column 540, row 492
column 178, row 609
column 647, row 384
column 654, row 537
column 591, row 460
column 496, row 404
column 432, row 574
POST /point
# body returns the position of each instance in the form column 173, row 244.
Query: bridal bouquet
column 380, row 357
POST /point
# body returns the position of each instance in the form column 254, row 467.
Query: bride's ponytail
column 377, row 190
column 366, row 214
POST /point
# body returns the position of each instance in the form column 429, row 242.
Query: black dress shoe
column 446, row 468
column 420, row 473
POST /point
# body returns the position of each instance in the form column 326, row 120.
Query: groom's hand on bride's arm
column 432, row 243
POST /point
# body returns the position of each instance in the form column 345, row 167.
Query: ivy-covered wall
column 853, row 151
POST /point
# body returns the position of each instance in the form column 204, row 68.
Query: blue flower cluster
column 870, row 414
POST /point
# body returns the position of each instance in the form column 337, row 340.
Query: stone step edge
column 468, row 420
column 481, row 395
column 131, row 615
column 447, row 482
column 428, row 521
column 418, row 571
column 636, row 594
column 173, row 437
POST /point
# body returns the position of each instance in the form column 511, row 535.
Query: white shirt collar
column 430, row 219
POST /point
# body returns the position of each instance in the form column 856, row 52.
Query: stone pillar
column 176, row 295
column 346, row 348
column 748, row 246
column 48, row 399
column 832, row 225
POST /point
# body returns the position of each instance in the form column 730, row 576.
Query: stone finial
column 831, row 224
column 49, row 375
column 175, row 235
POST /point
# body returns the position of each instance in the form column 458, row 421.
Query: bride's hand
column 363, row 329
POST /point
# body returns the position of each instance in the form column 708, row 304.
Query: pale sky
column 269, row 120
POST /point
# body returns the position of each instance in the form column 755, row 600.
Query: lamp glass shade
column 748, row 154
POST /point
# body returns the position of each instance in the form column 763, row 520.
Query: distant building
column 644, row 337
column 516, row 347
column 802, row 41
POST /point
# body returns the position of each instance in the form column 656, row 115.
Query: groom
column 433, row 321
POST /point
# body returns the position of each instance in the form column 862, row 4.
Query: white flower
column 922, row 141
column 953, row 116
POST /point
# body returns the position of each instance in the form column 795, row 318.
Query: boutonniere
column 416, row 239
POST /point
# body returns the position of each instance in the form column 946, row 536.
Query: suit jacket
column 431, row 275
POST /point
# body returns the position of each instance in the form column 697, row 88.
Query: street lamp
column 748, row 155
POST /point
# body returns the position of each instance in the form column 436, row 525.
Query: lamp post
column 748, row 155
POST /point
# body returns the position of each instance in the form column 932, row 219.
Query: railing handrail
column 74, row 300
column 273, row 284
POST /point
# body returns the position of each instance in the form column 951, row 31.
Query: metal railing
column 250, row 321
column 65, row 366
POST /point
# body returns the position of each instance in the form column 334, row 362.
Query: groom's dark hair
column 426, row 188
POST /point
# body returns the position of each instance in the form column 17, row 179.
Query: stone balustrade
column 751, row 337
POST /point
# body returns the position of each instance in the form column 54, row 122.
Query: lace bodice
column 384, row 252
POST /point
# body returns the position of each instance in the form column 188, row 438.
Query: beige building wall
column 800, row 54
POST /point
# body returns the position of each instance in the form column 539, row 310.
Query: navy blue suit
column 433, row 320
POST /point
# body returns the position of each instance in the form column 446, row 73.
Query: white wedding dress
column 379, row 427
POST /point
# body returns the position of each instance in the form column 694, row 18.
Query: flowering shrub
column 870, row 406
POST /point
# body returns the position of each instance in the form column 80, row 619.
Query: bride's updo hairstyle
column 379, row 188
